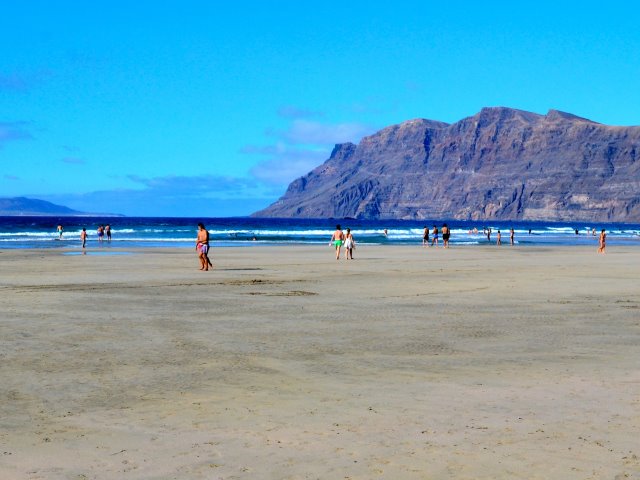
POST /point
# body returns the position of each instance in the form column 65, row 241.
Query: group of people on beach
column 102, row 231
column 446, row 234
column 340, row 238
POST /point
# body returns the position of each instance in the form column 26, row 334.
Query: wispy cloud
column 11, row 131
column 316, row 133
column 285, row 166
column 301, row 146
column 290, row 111
column 73, row 161
column 10, row 177
column 196, row 186
column 22, row 82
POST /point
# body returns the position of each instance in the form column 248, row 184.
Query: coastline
column 472, row 362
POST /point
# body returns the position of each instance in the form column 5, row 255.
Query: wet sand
column 406, row 363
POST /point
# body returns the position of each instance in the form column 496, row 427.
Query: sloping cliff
column 498, row 164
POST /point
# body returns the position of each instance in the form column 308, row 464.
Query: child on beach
column 349, row 245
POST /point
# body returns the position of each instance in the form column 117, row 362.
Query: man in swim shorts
column 435, row 236
column 202, row 247
column 336, row 240
column 446, row 233
column 83, row 237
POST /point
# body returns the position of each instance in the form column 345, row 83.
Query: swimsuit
column 203, row 248
column 337, row 243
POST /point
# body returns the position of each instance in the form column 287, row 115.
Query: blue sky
column 210, row 108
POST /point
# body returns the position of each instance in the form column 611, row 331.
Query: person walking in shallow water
column 602, row 242
column 337, row 239
column 511, row 235
column 83, row 237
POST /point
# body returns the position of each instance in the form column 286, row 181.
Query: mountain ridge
column 500, row 163
column 23, row 206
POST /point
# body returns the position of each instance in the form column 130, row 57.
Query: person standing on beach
column 499, row 240
column 107, row 230
column 602, row 241
column 202, row 247
column 446, row 233
column 349, row 245
column 336, row 240
column 425, row 237
column 435, row 236
column 511, row 235
column 100, row 233
column 83, row 237
column 60, row 230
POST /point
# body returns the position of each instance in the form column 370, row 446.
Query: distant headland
column 500, row 164
column 22, row 206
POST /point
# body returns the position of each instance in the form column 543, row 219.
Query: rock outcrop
column 499, row 164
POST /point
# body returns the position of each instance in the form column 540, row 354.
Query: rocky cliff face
column 499, row 164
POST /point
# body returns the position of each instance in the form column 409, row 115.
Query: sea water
column 137, row 232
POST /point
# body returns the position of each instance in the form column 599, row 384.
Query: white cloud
column 316, row 133
column 287, row 166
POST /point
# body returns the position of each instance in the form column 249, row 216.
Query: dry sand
column 406, row 363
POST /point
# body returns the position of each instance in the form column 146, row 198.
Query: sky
column 211, row 108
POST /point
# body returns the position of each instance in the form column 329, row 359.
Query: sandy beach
column 283, row 363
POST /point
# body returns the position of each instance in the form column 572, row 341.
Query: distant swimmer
column 107, row 230
column 499, row 240
column 60, row 230
column 100, row 233
column 512, row 234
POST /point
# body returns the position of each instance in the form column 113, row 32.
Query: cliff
column 498, row 164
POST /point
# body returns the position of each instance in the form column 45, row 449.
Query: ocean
column 137, row 232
